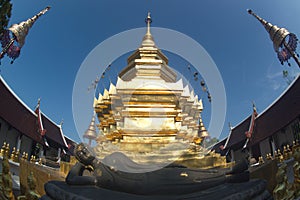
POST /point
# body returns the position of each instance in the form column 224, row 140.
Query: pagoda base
column 147, row 143
column 152, row 152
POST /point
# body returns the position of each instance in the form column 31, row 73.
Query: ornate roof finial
column 61, row 122
column 284, row 42
column 38, row 103
column 254, row 107
column 230, row 126
column 148, row 39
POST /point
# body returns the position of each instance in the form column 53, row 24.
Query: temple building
column 30, row 131
column 277, row 128
column 150, row 113
column 263, row 133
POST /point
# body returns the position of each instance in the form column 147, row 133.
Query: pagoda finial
column 267, row 25
column 148, row 21
column 284, row 42
column 148, row 39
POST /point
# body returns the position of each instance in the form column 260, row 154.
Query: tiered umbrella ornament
column 284, row 42
column 13, row 39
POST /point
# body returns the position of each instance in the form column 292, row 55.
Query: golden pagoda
column 149, row 114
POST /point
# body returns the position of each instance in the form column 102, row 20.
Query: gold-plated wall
column 43, row 174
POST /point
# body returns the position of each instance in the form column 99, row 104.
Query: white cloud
column 275, row 75
column 274, row 78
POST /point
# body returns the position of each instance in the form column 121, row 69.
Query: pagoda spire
column 148, row 39
column 21, row 30
column 12, row 44
column 91, row 133
column 148, row 60
column 284, row 42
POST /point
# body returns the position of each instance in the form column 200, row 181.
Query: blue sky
column 59, row 42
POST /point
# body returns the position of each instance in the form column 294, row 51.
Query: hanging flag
column 94, row 84
column 208, row 96
column 202, row 83
column 108, row 67
column 189, row 67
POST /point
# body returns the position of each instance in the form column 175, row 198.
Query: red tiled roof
column 17, row 114
column 237, row 134
column 53, row 131
column 22, row 118
column 71, row 146
column 279, row 114
column 218, row 146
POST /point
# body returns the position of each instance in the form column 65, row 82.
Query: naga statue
column 296, row 168
column 6, row 181
column 107, row 181
column 282, row 190
column 31, row 193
